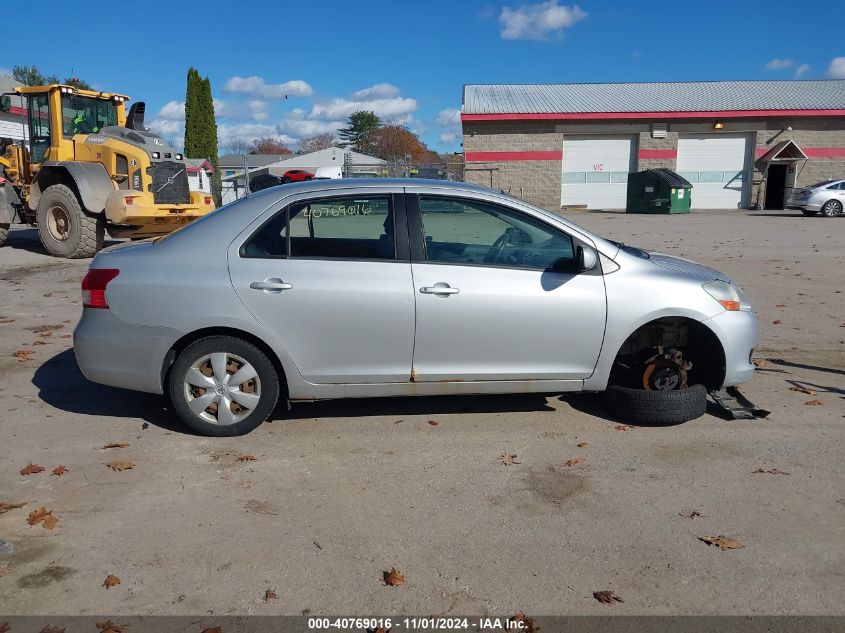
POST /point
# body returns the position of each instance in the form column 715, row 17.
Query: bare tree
column 317, row 142
column 237, row 145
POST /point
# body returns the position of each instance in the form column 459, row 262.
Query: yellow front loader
column 91, row 168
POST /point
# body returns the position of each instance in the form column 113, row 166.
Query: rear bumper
column 802, row 204
column 737, row 332
column 119, row 354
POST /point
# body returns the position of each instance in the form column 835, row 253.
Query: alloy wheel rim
column 222, row 388
column 58, row 224
column 831, row 208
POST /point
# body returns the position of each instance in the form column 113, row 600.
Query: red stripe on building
column 658, row 153
column 17, row 110
column 824, row 152
column 725, row 114
column 501, row 157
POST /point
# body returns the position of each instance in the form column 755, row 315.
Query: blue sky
column 409, row 60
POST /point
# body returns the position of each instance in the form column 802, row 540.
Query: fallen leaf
column 759, row 363
column 66, row 335
column 623, row 427
column 508, row 458
column 52, row 628
column 109, row 627
column 525, row 623
column 246, row 458
column 721, row 541
column 607, row 597
column 45, row 333
column 780, row 305
column 575, row 460
column 59, row 470
column 23, row 355
column 270, row 595
column 809, row 392
column 773, row 471
column 398, row 421
column 777, row 322
column 5, row 627
column 111, row 581
column 5, row 507
column 48, row 294
column 31, row 469
column 119, row 466
column 393, row 578
column 44, row 516
column 46, row 328
column 582, row 445
column 691, row 514
column 115, row 445
column 433, row 422
column 213, row 629
column 814, row 403
column 12, row 321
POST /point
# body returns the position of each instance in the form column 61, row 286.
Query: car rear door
column 330, row 277
column 489, row 305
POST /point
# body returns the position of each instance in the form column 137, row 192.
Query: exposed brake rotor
column 666, row 371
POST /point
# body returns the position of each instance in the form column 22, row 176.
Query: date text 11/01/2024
column 516, row 623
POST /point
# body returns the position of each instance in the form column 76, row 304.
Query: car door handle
column 272, row 285
column 439, row 289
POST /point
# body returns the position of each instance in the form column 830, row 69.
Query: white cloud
column 538, row 21
column 295, row 124
column 166, row 127
column 340, row 108
column 803, row 69
column 448, row 117
column 780, row 64
column 836, row 70
column 172, row 111
column 257, row 87
column 448, row 138
column 377, row 91
column 255, row 109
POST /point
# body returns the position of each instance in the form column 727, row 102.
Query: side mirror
column 587, row 258
column 5, row 103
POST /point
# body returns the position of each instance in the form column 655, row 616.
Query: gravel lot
column 341, row 491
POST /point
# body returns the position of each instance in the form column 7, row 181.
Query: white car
column 826, row 197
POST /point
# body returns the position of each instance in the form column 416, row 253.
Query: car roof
column 386, row 183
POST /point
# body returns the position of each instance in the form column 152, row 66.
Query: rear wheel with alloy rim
column 223, row 386
column 832, row 208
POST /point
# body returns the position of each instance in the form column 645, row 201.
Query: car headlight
column 728, row 295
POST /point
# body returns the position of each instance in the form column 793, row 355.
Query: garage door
column 595, row 170
column 718, row 166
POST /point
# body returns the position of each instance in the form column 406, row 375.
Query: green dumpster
column 658, row 191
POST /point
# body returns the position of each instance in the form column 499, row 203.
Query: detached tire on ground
column 657, row 407
column 65, row 228
column 223, row 386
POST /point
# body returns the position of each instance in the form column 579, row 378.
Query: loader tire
column 4, row 233
column 65, row 228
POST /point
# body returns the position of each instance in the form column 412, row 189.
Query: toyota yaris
column 367, row 288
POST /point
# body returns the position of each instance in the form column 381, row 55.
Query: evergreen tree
column 360, row 131
column 201, row 126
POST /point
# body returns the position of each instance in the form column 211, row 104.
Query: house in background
column 200, row 172
column 13, row 123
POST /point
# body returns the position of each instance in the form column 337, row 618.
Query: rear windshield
column 820, row 184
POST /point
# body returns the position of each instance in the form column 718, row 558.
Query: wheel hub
column 666, row 371
column 58, row 224
column 222, row 388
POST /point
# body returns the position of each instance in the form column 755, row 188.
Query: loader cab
column 56, row 113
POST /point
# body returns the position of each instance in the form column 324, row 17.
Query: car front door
column 496, row 296
column 330, row 278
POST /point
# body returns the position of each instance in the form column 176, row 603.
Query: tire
column 805, row 212
column 65, row 229
column 656, row 407
column 832, row 208
column 198, row 358
column 4, row 233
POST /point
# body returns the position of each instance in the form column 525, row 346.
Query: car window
column 459, row 231
column 337, row 228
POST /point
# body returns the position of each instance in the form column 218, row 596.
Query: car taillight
column 94, row 287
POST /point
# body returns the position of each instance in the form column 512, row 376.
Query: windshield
column 86, row 115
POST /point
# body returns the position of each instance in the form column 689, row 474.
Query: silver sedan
column 368, row 288
column 826, row 197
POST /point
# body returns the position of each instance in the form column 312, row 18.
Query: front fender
column 92, row 182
